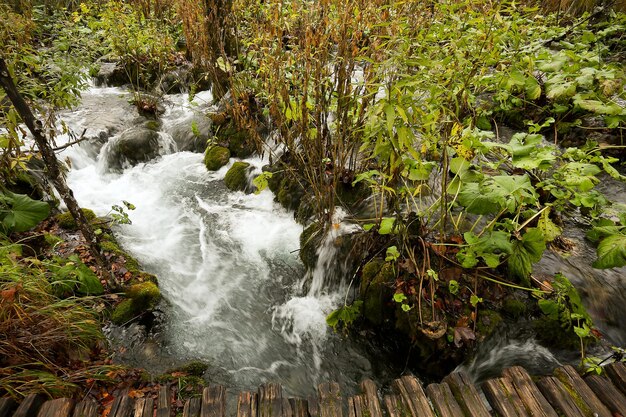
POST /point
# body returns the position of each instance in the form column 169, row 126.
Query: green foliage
column 71, row 276
column 19, row 212
column 611, row 236
column 261, row 181
column 345, row 315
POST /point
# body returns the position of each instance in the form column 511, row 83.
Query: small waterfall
column 302, row 319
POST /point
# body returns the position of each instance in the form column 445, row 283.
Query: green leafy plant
column 19, row 212
column 345, row 315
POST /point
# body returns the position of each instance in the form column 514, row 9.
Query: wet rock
column 375, row 289
column 310, row 240
column 240, row 141
column 134, row 146
column 236, row 178
column 290, row 193
column 191, row 134
column 111, row 74
column 216, row 157
column 142, row 297
column 176, row 81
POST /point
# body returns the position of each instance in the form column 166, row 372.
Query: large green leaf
column 525, row 253
column 472, row 198
column 611, row 252
column 19, row 212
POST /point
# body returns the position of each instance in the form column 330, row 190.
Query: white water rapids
column 227, row 263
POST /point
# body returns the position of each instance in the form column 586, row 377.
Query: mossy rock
column 310, row 239
column 145, row 295
column 236, row 178
column 142, row 297
column 52, row 240
column 290, row 194
column 551, row 333
column 123, row 312
column 375, row 290
column 109, row 244
column 67, row 222
column 488, row 321
column 216, row 157
column 514, row 308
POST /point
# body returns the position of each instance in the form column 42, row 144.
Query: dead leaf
column 463, row 335
column 434, row 329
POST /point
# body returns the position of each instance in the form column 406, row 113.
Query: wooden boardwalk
column 515, row 394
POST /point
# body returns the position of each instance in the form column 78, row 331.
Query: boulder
column 191, row 134
column 216, row 157
column 236, row 178
column 111, row 74
column 142, row 297
column 134, row 146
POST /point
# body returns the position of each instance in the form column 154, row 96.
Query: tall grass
column 46, row 342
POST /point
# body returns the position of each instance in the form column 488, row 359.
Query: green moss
column 289, row 194
column 67, row 222
column 488, row 321
column 514, row 308
column 375, row 290
column 52, row 240
column 550, row 332
column 142, row 297
column 110, row 245
column 153, row 125
column 216, row 157
column 145, row 295
column 123, row 312
column 236, row 178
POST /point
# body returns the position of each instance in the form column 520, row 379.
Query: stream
column 228, row 267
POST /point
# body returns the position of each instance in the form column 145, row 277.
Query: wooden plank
column 395, row 406
column 213, row 401
column 413, row 396
column 254, row 405
column 193, row 406
column 29, row 406
column 164, row 401
column 503, row 398
column 443, row 401
column 535, row 403
column 61, row 407
column 144, row 407
column 299, row 407
column 123, row 406
column 556, row 393
column 466, row 394
column 351, row 411
column 287, row 411
column 244, row 404
column 584, row 396
column 86, row 408
column 330, row 400
column 608, row 394
column 371, row 393
column 617, row 372
column 270, row 400
column 7, row 405
column 313, row 406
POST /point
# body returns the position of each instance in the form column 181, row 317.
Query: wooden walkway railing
column 515, row 394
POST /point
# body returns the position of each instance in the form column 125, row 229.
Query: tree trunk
column 52, row 166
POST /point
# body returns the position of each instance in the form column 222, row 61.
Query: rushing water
column 228, row 267
column 227, row 264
